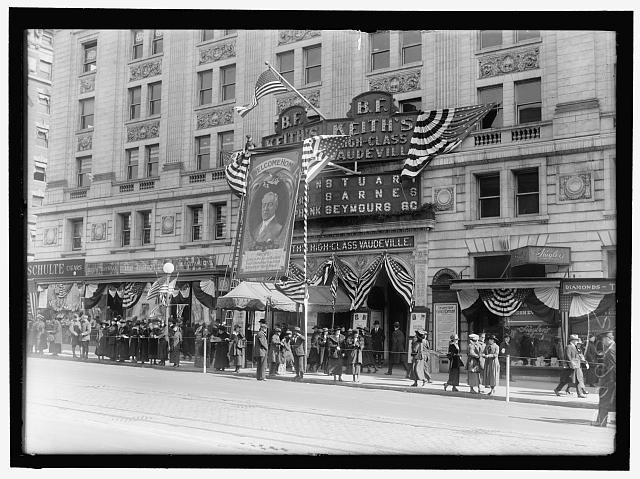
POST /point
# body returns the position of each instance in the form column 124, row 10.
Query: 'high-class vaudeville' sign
column 364, row 244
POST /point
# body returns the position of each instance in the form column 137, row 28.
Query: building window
column 285, row 65
column 39, row 174
column 132, row 164
column 207, row 35
column 492, row 94
column 380, row 50
column 138, row 44
column 145, row 217
column 196, row 223
column 84, row 170
column 152, row 155
column 203, row 145
column 411, row 47
column 527, row 35
column 313, row 64
column 527, row 192
column 228, row 82
column 86, row 114
column 205, row 87
column 45, row 100
column 76, row 235
column 225, row 144
column 489, row 195
column 528, row 101
column 413, row 104
column 492, row 266
column 135, row 102
column 155, row 98
column 220, row 220
column 42, row 137
column 47, row 39
column 90, row 56
column 157, row 46
column 45, row 69
column 490, row 38
column 125, row 232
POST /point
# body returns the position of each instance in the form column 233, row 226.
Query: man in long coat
column 572, row 374
column 607, row 383
column 314, row 351
column 260, row 348
column 274, row 354
column 85, row 336
column 112, row 332
column 324, row 350
column 299, row 350
column 398, row 352
column 377, row 342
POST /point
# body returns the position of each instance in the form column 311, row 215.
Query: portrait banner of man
column 272, row 189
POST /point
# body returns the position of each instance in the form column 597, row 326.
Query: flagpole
column 296, row 91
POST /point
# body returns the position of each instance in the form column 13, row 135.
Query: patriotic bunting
column 366, row 282
column 503, row 301
column 154, row 290
column 267, row 83
column 400, row 279
column 132, row 293
column 293, row 289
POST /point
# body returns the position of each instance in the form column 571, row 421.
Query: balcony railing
column 525, row 133
column 202, row 176
column 514, row 134
column 77, row 193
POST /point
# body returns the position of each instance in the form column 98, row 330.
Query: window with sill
column 411, row 46
column 125, row 230
column 145, row 222
column 286, row 65
column 380, row 50
column 155, row 98
column 203, row 148
column 413, row 104
column 83, row 168
column 42, row 137
column 491, row 94
column 490, row 38
column 76, row 234
column 527, row 192
column 528, row 101
column 205, row 87
column 196, row 222
column 132, row 163
column 86, row 113
column 489, row 195
column 135, row 102
column 312, row 64
column 39, row 174
column 206, row 35
column 219, row 220
column 152, row 154
column 225, row 145
column 45, row 69
column 157, row 42
column 227, row 83
column 527, row 35
column 137, row 46
column 90, row 56
column 45, row 100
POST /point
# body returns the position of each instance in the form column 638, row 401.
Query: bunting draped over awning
column 205, row 292
column 65, row 296
column 132, row 293
column 582, row 304
column 92, row 294
column 504, row 301
column 400, row 278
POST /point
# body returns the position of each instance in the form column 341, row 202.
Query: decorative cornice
column 220, row 51
column 85, row 142
column 177, row 165
column 509, row 62
column 290, row 36
column 143, row 131
column 214, row 117
column 87, row 84
column 286, row 101
column 145, row 70
column 104, row 176
column 396, row 82
column 569, row 106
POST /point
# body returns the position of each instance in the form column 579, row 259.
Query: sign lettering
column 354, row 245
column 604, row 286
column 64, row 268
column 540, row 255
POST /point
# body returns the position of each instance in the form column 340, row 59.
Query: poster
column 272, row 189
column 360, row 320
column 418, row 322
column 446, row 324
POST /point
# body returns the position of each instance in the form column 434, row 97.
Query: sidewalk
column 521, row 390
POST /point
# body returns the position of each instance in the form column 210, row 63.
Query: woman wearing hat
column 285, row 348
column 236, row 348
column 455, row 363
column 101, row 347
column 335, row 355
column 324, row 350
column 473, row 363
column 174, row 345
column 112, row 332
column 419, row 352
column 313, row 361
column 356, row 355
column 57, row 337
column 221, row 361
column 491, row 365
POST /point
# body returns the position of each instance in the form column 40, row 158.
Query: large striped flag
column 440, row 131
column 400, row 278
column 132, row 293
column 267, row 83
column 236, row 173
column 292, row 289
column 154, row 290
column 334, row 288
column 366, row 282
column 317, row 151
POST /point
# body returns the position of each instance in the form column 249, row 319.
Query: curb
column 311, row 380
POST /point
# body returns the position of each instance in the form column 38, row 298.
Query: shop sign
column 64, row 268
column 604, row 286
column 360, row 320
column 103, row 268
column 141, row 266
column 524, row 315
column 361, row 195
column 418, row 322
column 194, row 263
column 445, row 324
column 182, row 264
column 540, row 255
column 293, row 126
column 366, row 244
column 535, row 331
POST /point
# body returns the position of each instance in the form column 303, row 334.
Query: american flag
column 292, row 289
column 366, row 282
column 132, row 293
column 347, row 276
column 295, row 272
column 267, row 83
column 317, row 151
column 400, row 278
column 440, row 131
column 154, row 290
column 236, row 173
column 334, row 289
column 166, row 289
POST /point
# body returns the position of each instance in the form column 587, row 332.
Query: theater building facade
column 512, row 231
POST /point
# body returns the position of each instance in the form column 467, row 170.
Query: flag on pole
column 317, row 151
column 236, row 173
column 267, row 83
column 440, row 131
column 334, row 288
column 154, row 290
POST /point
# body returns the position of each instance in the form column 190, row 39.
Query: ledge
column 104, row 176
column 400, row 69
column 197, row 244
column 133, row 249
column 519, row 220
column 57, row 184
column 69, row 254
column 498, row 48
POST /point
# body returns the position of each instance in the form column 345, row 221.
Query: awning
column 254, row 296
column 460, row 284
column 320, row 300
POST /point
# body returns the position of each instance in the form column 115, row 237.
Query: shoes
column 598, row 424
column 429, row 381
column 582, row 396
column 388, row 373
column 445, row 386
column 455, row 389
column 557, row 392
column 414, row 385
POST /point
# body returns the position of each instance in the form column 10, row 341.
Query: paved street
column 74, row 407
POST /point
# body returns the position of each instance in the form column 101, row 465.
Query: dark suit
column 260, row 348
column 398, row 353
column 299, row 350
column 607, row 385
column 377, row 342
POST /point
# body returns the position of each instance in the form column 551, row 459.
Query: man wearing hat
column 299, row 350
column 572, row 373
column 324, row 350
column 85, row 336
column 397, row 350
column 275, row 356
column 377, row 342
column 260, row 348
column 607, row 383
column 314, row 350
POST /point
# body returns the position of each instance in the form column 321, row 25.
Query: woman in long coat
column 221, row 361
column 324, row 350
column 163, row 345
column 314, row 351
column 112, row 332
column 57, row 337
column 237, row 346
column 134, row 342
column 455, row 363
column 273, row 355
column 473, row 364
column 123, row 341
column 418, row 354
column 174, row 345
column 285, row 351
column 335, row 355
column 199, row 333
column 355, row 355
column 491, row 364
column 101, row 347
column 143, row 342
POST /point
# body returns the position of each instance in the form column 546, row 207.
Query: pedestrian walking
column 607, row 383
column 579, row 386
column 506, row 349
column 455, row 363
column 174, row 345
column 260, row 349
column 368, row 356
column 275, row 356
column 221, row 360
column 398, row 351
column 491, row 365
column 237, row 346
column 74, row 329
column 356, row 355
column 473, row 364
column 427, row 349
column 299, row 352
column 335, row 355
column 377, row 342
column 572, row 371
column 418, row 353
column 85, row 336
column 314, row 351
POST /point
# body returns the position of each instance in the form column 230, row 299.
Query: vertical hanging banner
column 272, row 189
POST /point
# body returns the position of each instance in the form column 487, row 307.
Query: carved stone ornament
column 144, row 131
column 444, row 198
column 98, row 231
column 87, row 84
column 167, row 225
column 214, row 117
column 290, row 36
column 397, row 82
column 287, row 101
column 50, row 236
column 220, row 51
column 575, row 187
column 145, row 70
column 85, row 142
column 509, row 62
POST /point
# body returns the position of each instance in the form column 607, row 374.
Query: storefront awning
column 255, row 296
column 461, row 284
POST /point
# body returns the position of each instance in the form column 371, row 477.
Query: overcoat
column 101, row 347
column 236, row 349
column 287, row 355
column 260, row 347
column 274, row 349
column 397, row 347
column 419, row 352
column 367, row 353
column 473, row 365
column 455, row 363
column 298, row 346
column 356, row 351
column 176, row 339
column 75, row 329
column 221, row 360
column 143, row 342
column 491, row 365
column 134, row 343
column 112, row 332
column 57, row 332
column 573, row 363
column 314, row 350
column 607, row 383
column 162, row 344
column 123, row 342
column 377, row 339
column 335, row 356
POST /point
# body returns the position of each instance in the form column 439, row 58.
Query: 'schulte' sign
column 363, row 195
